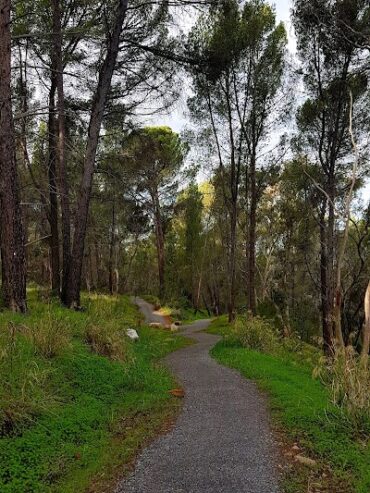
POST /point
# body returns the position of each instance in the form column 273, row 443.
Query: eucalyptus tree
column 241, row 54
column 330, row 64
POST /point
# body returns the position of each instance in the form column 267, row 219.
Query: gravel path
column 221, row 442
column 147, row 310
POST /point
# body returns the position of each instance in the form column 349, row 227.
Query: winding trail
column 221, row 442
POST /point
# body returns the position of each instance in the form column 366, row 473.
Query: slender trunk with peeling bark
column 13, row 253
column 232, row 261
column 325, row 307
column 366, row 330
column 72, row 295
column 337, row 310
column 252, row 304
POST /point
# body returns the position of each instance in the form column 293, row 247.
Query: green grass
column 301, row 405
column 188, row 315
column 219, row 326
column 91, row 413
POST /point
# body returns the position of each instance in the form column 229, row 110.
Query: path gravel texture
column 221, row 442
column 147, row 310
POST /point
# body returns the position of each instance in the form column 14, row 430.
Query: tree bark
column 366, row 330
column 57, row 66
column 232, row 262
column 325, row 306
column 160, row 243
column 72, row 295
column 13, row 253
column 53, row 209
column 252, row 305
column 111, row 250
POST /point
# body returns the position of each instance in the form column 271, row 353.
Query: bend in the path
column 148, row 311
column 221, row 442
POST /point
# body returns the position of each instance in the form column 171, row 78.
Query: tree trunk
column 160, row 243
column 72, row 295
column 12, row 231
column 57, row 65
column 53, row 209
column 366, row 330
column 252, row 305
column 334, row 298
column 111, row 250
column 325, row 306
column 232, row 262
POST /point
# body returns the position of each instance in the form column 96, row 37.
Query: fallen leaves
column 178, row 393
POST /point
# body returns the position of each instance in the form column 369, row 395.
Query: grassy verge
column 71, row 416
column 219, row 326
column 301, row 406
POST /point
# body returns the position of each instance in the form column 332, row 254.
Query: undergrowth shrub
column 255, row 333
column 24, row 383
column 49, row 337
column 109, row 341
column 301, row 352
column 349, row 384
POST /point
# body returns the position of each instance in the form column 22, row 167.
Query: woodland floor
column 221, row 442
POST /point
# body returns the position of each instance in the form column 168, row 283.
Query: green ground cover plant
column 75, row 408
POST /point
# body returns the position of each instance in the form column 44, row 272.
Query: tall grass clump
column 105, row 331
column 23, row 390
column 349, row 382
column 108, row 341
column 49, row 336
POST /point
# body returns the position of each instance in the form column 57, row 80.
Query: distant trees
column 152, row 158
column 330, row 62
column 193, row 243
column 241, row 54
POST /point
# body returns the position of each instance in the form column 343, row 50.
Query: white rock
column 174, row 328
column 132, row 334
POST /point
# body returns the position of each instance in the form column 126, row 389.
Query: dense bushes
column 255, row 333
